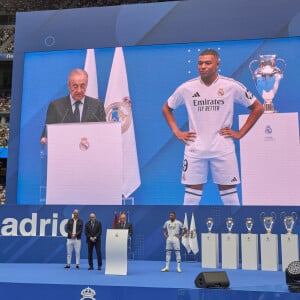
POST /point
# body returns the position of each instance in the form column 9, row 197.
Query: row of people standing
column 93, row 232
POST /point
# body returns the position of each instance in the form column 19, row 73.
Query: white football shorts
column 224, row 170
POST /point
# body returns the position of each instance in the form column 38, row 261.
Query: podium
column 269, row 251
column 116, row 252
column 249, row 251
column 84, row 163
column 270, row 160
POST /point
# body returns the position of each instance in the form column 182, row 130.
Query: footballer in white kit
column 173, row 230
column 209, row 100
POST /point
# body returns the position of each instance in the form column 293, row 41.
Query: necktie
column 92, row 225
column 76, row 111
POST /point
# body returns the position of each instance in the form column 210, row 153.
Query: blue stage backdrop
column 154, row 71
column 25, row 237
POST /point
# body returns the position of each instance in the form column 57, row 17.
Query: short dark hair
column 172, row 212
column 210, row 52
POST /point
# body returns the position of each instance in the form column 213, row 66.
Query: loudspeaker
column 212, row 280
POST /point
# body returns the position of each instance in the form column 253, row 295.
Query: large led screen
column 153, row 73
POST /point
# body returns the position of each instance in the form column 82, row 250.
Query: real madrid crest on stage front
column 88, row 293
column 120, row 112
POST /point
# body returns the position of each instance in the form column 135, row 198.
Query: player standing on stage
column 173, row 230
column 210, row 100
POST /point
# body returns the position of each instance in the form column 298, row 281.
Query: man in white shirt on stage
column 209, row 100
column 74, row 230
column 173, row 230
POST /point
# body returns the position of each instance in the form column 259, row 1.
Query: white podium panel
column 270, row 160
column 249, row 251
column 289, row 249
column 116, row 252
column 230, row 251
column 209, row 250
column 84, row 163
column 269, row 251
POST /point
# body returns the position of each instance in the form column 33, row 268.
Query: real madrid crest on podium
column 88, row 293
column 120, row 112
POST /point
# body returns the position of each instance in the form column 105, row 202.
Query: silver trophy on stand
column 269, row 244
column 209, row 224
column 289, row 241
column 210, row 246
column 230, row 247
column 289, row 221
column 249, row 247
column 249, row 224
column 229, row 224
column 268, row 221
column 267, row 77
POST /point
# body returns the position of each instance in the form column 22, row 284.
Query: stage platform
column 144, row 281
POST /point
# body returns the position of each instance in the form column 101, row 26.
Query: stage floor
column 143, row 274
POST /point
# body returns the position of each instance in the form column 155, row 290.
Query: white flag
column 185, row 239
column 118, row 109
column 193, row 236
column 91, row 68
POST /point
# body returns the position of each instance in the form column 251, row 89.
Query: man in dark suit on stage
column 122, row 224
column 76, row 107
column 93, row 231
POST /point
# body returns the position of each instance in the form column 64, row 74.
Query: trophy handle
column 273, row 215
column 282, row 215
column 250, row 65
column 283, row 63
column 294, row 214
column 262, row 215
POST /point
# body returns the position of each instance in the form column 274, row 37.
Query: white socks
column 192, row 196
column 230, row 196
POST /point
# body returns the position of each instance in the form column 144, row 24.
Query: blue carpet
column 140, row 274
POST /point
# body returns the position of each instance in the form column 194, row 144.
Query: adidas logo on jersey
column 196, row 95
column 233, row 179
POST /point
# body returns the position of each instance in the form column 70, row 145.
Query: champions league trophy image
column 230, row 247
column 267, row 77
column 289, row 221
column 289, row 241
column 269, row 244
column 210, row 246
column 268, row 221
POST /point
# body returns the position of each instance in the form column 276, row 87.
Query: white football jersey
column 210, row 108
column 173, row 228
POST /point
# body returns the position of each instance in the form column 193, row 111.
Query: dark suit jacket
column 128, row 226
column 60, row 111
column 79, row 227
column 93, row 232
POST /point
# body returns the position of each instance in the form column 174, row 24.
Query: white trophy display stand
column 230, row 251
column 210, row 250
column 116, row 252
column 249, row 251
column 289, row 249
column 270, row 160
column 269, row 251
column 84, row 163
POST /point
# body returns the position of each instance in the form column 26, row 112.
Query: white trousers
column 73, row 244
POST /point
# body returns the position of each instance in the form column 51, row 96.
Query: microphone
column 66, row 112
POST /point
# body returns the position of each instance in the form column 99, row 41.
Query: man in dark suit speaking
column 76, row 107
column 123, row 224
column 93, row 231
